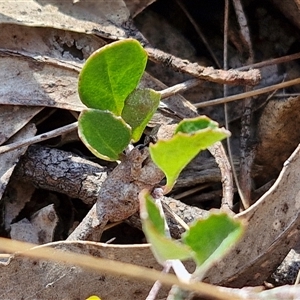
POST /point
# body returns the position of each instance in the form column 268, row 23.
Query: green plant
column 117, row 113
column 206, row 241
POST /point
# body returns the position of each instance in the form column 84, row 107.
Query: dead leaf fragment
column 273, row 229
column 41, row 279
column 103, row 16
column 30, row 82
column 17, row 195
column 137, row 6
column 9, row 160
column 20, row 116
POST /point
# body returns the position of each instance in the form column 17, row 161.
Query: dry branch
column 233, row 77
column 67, row 173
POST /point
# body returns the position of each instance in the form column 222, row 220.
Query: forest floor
column 49, row 186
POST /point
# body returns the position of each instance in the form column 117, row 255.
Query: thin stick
column 246, row 149
column 112, row 267
column 248, row 94
column 178, row 88
column 270, row 62
column 226, row 167
column 233, row 77
column 39, row 138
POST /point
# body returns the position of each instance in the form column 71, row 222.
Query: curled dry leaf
column 46, row 84
column 272, row 230
column 277, row 136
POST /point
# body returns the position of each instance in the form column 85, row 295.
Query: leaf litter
column 60, row 94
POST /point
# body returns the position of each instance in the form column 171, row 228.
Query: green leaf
column 211, row 239
column 104, row 134
column 195, row 124
column 138, row 110
column 172, row 155
column 163, row 247
column 154, row 215
column 110, row 74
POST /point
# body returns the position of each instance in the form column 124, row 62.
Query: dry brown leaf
column 9, row 160
column 56, row 43
column 50, row 280
column 273, row 229
column 277, row 137
column 41, row 65
column 290, row 9
column 103, row 17
column 32, row 82
column 16, row 117
column 19, row 193
column 137, row 6
column 39, row 229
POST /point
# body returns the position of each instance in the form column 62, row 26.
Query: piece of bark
column 84, row 179
column 62, row 172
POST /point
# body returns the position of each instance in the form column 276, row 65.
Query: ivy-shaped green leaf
column 110, row 74
column 138, row 110
column 104, row 134
column 172, row 155
column 194, row 124
column 212, row 238
column 163, row 247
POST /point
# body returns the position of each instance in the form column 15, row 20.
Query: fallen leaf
column 18, row 194
column 51, row 280
column 137, row 6
column 273, row 230
column 9, row 160
column 34, row 83
column 102, row 17
column 19, row 114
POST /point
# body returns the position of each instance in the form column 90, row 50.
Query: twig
column 227, row 167
column 273, row 61
column 248, row 94
column 246, row 148
column 179, row 88
column 191, row 191
column 244, row 28
column 219, row 154
column 39, row 138
column 113, row 267
column 232, row 77
column 157, row 284
column 251, row 77
column 63, row 172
